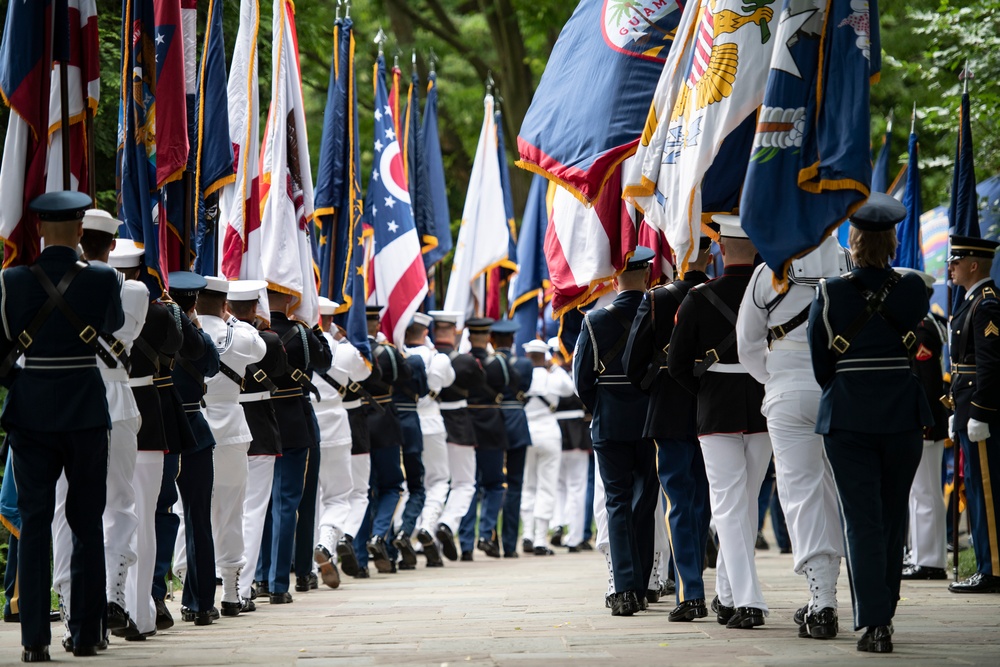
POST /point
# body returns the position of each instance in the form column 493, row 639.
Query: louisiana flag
column 588, row 111
column 37, row 34
column 811, row 165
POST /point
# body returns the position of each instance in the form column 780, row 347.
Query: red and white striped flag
column 286, row 187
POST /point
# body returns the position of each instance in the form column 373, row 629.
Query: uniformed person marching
column 873, row 409
column 53, row 313
column 671, row 424
column 577, row 450
column 928, row 516
column 703, row 358
column 239, row 345
column 975, row 393
column 773, row 347
column 491, row 442
column 626, row 460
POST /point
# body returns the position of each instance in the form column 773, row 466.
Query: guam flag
column 400, row 278
column 588, row 111
column 811, row 166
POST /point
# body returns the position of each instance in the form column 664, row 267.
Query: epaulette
column 989, row 293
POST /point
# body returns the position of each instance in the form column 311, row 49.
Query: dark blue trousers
column 286, row 493
column 195, row 482
column 685, row 486
column 982, row 491
column 167, row 524
column 490, row 492
column 628, row 469
column 873, row 472
column 305, row 526
column 512, row 498
column 413, row 464
column 588, row 510
column 385, row 489
column 39, row 458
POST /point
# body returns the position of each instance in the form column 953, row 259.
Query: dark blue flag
column 508, row 197
column 416, row 173
column 528, row 286
column 880, row 172
column 437, row 192
column 910, row 253
column 963, row 212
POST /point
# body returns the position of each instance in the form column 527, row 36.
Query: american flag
column 400, row 277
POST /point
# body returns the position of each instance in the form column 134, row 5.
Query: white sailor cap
column 100, row 221
column 327, row 307
column 422, row 319
column 450, row 316
column 216, row 284
column 536, row 346
column 554, row 344
column 244, row 290
column 126, row 254
column 926, row 277
column 729, row 225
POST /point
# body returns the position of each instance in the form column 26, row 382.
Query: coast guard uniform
column 73, row 438
column 773, row 347
column 975, row 392
column 871, row 414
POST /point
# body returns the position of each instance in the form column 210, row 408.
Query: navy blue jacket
column 512, row 407
column 859, row 392
column 975, row 347
column 619, row 409
column 487, row 420
column 95, row 297
column 306, row 351
column 405, row 395
column 197, row 353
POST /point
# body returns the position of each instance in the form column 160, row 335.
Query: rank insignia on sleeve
column 991, row 330
column 923, row 354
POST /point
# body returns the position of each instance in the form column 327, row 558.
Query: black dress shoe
column 327, row 568
column 722, row 612
column 301, row 584
column 668, row 588
column 511, row 554
column 263, row 588
column 921, row 573
column 119, row 622
column 206, row 617
column 688, row 611
column 746, row 618
column 573, row 550
column 247, row 606
column 557, row 535
column 652, row 595
column 348, row 559
column 362, row 573
column 431, row 551
column 799, row 617
column 313, row 581
column 280, row 598
column 877, row 639
column 54, row 616
column 190, row 615
column 164, row 621
column 761, row 543
column 402, row 565
column 231, row 608
column 467, row 556
column 85, row 651
column 543, row 551
column 489, row 547
column 586, row 546
column 12, row 618
column 405, row 548
column 379, row 555
column 527, row 546
column 625, row 604
column 977, row 583
column 35, row 654
column 141, row 637
column 821, row 625
column 447, row 540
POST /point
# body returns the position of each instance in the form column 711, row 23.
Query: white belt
column 352, row 405
column 569, row 414
column 116, row 375
column 790, row 345
column 454, row 405
column 144, row 381
column 221, row 399
column 252, row 398
column 726, row 368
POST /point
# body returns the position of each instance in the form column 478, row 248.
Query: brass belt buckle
column 713, row 355
column 909, row 339
column 354, row 387
column 260, row 375
column 117, row 348
column 779, row 332
column 840, row 344
column 88, row 334
column 25, row 339
column 297, row 374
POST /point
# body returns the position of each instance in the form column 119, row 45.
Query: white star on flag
column 393, row 226
column 378, row 115
column 389, row 201
column 388, row 110
column 375, row 175
column 374, row 210
column 378, row 145
column 390, row 134
column 160, row 38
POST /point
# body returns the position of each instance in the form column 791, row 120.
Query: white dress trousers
column 928, row 531
column 260, row 477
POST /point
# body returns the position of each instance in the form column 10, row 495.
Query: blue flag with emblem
column 437, row 192
column 333, row 239
column 909, row 252
column 963, row 211
column 527, row 288
column 214, row 150
column 810, row 166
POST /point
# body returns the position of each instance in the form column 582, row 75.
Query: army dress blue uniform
column 872, row 413
column 406, row 394
column 670, row 423
column 626, row 460
column 59, row 362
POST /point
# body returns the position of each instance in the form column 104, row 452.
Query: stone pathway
column 548, row 611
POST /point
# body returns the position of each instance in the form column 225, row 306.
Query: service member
column 975, row 392
column 53, row 313
column 626, row 460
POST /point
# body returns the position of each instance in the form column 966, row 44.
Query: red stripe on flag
column 408, row 289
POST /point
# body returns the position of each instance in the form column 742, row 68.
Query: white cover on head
column 216, row 284
column 536, row 346
column 327, row 307
column 729, row 225
column 100, row 221
column 125, row 254
column 246, row 290
column 422, row 319
column 451, row 316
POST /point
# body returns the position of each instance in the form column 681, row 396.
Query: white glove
column 978, row 431
column 951, row 428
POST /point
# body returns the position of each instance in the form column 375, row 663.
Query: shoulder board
column 989, row 293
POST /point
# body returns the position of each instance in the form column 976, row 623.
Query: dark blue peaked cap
column 186, row 282
column 640, row 258
column 62, row 206
column 505, row 327
column 879, row 214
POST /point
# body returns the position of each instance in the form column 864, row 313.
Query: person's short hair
column 244, row 308
column 96, row 243
column 872, row 249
